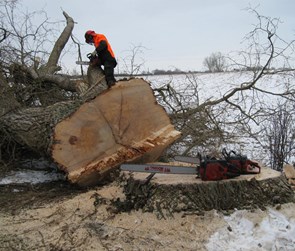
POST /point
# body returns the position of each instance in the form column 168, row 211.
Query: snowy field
column 215, row 85
column 212, row 86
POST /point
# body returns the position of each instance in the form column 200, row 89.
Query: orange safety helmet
column 89, row 36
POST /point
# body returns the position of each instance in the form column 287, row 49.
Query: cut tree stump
column 165, row 194
column 122, row 124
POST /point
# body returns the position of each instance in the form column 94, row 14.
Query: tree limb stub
column 123, row 124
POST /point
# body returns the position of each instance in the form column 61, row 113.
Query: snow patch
column 30, row 176
column 273, row 232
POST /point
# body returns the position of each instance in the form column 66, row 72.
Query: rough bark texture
column 166, row 193
column 32, row 127
column 7, row 100
column 96, row 81
column 122, row 124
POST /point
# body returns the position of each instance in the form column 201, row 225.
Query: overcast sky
column 174, row 33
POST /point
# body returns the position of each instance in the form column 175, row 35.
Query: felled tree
column 90, row 130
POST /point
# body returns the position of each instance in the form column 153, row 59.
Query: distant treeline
column 158, row 72
column 177, row 71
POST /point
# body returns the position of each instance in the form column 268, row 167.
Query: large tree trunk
column 88, row 140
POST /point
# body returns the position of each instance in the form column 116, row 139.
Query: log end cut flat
column 122, row 124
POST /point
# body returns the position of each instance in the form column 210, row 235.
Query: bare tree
column 134, row 61
column 27, row 60
column 216, row 62
column 280, row 135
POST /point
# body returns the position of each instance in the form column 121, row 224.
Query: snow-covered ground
column 215, row 85
column 275, row 231
column 31, row 177
column 32, row 172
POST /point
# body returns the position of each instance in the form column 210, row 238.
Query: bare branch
column 51, row 65
column 4, row 35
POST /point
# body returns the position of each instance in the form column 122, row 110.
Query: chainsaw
column 168, row 169
column 206, row 168
column 93, row 60
column 83, row 62
column 164, row 169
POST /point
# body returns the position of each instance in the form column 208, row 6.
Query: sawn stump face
column 122, row 124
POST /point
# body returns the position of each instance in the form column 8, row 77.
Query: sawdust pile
column 88, row 221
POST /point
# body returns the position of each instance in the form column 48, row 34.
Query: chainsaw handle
column 89, row 56
column 226, row 154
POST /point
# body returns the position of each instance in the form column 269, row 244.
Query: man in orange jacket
column 104, row 53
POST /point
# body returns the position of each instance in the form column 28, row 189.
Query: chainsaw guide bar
column 154, row 168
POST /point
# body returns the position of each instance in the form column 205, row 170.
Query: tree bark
column 7, row 100
column 32, row 127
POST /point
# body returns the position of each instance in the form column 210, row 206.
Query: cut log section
column 165, row 194
column 123, row 124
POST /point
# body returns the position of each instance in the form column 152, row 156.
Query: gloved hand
column 93, row 54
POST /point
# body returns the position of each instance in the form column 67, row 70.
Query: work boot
column 111, row 83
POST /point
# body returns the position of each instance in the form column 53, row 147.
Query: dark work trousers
column 109, row 73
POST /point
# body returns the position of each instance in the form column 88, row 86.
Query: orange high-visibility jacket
column 102, row 46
